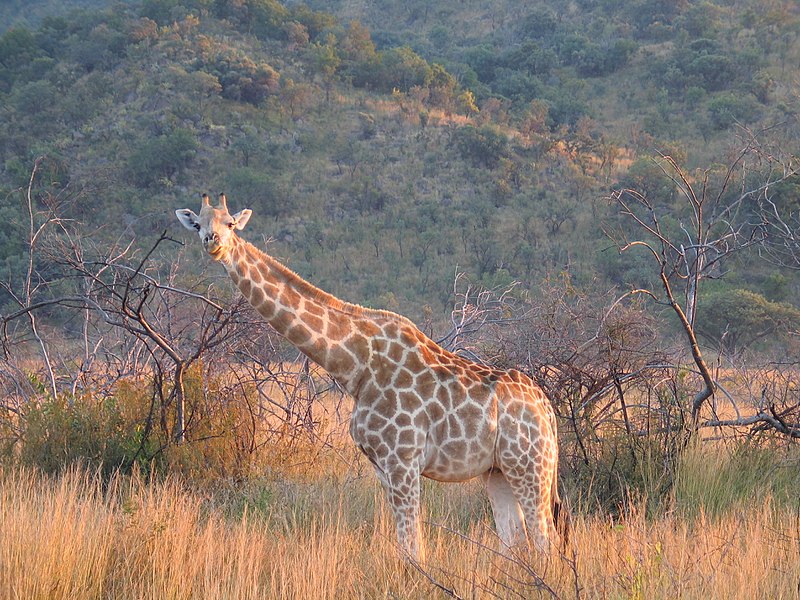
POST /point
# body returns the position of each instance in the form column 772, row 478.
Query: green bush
column 729, row 108
column 130, row 430
column 484, row 146
column 402, row 68
column 106, row 434
column 163, row 157
column 620, row 472
column 737, row 318
column 242, row 78
column 256, row 189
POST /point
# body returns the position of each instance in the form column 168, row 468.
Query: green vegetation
column 715, row 483
column 381, row 161
column 385, row 146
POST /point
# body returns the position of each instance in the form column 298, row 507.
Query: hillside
column 600, row 196
column 384, row 146
column 678, row 71
column 29, row 13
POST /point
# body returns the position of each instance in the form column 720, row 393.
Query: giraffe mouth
column 214, row 251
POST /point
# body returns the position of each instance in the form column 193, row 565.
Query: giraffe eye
column 197, row 226
column 231, row 224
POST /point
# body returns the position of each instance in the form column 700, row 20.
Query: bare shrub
column 96, row 321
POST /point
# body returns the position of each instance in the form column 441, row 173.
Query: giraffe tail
column 561, row 516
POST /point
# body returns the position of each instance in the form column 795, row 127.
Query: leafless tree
column 777, row 208
column 603, row 364
column 22, row 293
column 120, row 303
column 714, row 223
column 476, row 313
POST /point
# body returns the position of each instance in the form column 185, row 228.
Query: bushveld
column 313, row 524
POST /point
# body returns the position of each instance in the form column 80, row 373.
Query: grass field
column 729, row 532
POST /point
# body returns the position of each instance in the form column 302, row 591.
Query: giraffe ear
column 188, row 219
column 241, row 218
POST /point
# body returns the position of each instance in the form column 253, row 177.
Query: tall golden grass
column 79, row 536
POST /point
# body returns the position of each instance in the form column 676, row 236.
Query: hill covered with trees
column 385, row 146
column 602, row 194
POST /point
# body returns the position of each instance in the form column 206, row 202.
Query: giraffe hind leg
column 533, row 494
column 508, row 517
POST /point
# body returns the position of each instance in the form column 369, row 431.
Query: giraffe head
column 214, row 225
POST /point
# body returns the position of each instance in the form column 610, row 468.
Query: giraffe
column 419, row 410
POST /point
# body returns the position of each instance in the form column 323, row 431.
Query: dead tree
column 160, row 327
column 776, row 209
column 477, row 313
column 92, row 312
column 714, row 223
column 40, row 221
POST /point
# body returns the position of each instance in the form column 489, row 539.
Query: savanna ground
column 313, row 524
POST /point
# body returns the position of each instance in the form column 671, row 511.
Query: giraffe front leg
column 402, row 489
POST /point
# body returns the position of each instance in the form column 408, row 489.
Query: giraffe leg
column 402, row 489
column 526, row 453
column 529, row 473
column 532, row 490
column 508, row 517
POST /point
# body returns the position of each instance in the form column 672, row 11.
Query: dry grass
column 75, row 536
column 317, row 527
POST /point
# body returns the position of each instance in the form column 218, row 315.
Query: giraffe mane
column 309, row 290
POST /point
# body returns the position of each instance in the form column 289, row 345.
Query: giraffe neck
column 334, row 334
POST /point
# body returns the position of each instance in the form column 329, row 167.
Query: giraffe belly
column 457, row 460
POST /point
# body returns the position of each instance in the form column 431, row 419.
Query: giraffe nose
column 211, row 237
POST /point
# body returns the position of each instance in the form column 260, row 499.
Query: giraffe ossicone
column 419, row 410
